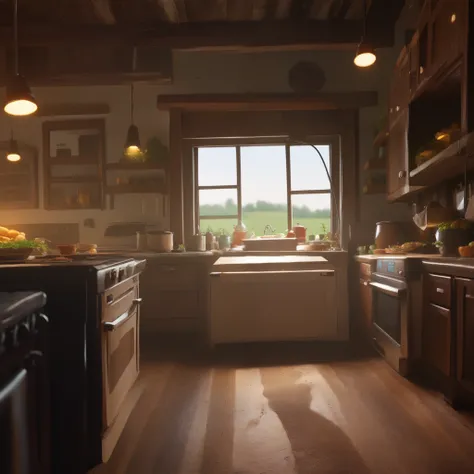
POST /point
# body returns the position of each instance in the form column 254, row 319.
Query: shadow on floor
column 318, row 445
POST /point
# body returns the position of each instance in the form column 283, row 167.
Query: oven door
column 120, row 346
column 390, row 319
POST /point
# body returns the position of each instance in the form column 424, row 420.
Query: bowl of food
column 14, row 246
column 67, row 249
column 87, row 248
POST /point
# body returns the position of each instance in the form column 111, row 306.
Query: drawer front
column 171, row 305
column 173, row 277
column 365, row 270
column 437, row 338
column 438, row 290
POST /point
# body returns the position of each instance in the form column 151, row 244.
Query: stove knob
column 400, row 272
column 113, row 276
column 121, row 274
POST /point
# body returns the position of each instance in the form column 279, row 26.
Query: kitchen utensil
column 15, row 255
column 240, row 232
column 300, row 233
column 388, row 233
column 67, row 249
column 452, row 239
column 209, row 240
column 197, row 243
column 224, row 242
column 141, row 240
column 160, row 240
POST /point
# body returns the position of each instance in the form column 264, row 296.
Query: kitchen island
column 276, row 298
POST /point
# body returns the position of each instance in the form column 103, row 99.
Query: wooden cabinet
column 363, row 324
column 448, row 33
column 437, row 323
column 436, row 343
column 465, row 333
column 400, row 88
column 397, row 169
column 174, row 295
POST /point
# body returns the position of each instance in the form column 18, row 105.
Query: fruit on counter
column 466, row 251
column 412, row 246
column 7, row 235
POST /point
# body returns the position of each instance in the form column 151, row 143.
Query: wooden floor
column 286, row 409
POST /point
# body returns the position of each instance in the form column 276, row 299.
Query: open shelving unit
column 135, row 183
column 74, row 156
column 376, row 167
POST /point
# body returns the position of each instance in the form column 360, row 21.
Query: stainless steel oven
column 120, row 355
column 396, row 310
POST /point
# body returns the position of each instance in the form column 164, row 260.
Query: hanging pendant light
column 19, row 99
column 132, row 143
column 13, row 153
column 365, row 55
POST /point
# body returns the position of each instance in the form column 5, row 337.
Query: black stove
column 76, row 290
column 105, row 271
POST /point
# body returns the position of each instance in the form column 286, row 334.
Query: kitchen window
column 263, row 184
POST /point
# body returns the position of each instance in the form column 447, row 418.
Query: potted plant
column 223, row 239
column 452, row 235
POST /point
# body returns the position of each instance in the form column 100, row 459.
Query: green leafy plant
column 24, row 244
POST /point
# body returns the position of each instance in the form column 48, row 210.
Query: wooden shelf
column 154, row 188
column 123, row 166
column 375, row 164
column 449, row 163
column 381, row 138
column 74, row 179
column 379, row 188
column 72, row 161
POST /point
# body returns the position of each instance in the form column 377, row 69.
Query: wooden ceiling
column 204, row 24
column 111, row 12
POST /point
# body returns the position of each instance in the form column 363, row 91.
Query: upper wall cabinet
column 448, row 33
column 431, row 88
column 94, row 63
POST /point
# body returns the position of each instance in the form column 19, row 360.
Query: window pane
column 313, row 211
column 217, row 166
column 217, row 225
column 307, row 170
column 264, row 197
column 218, row 202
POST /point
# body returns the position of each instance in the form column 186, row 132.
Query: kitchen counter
column 371, row 258
column 453, row 266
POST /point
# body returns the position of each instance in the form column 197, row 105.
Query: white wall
column 201, row 73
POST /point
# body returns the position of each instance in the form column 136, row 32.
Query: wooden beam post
column 176, row 177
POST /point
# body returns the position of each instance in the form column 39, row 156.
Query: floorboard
column 286, row 409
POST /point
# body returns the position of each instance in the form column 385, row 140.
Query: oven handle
column 389, row 290
column 116, row 323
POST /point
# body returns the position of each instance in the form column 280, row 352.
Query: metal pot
column 160, row 240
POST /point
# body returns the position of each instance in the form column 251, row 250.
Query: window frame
column 237, row 143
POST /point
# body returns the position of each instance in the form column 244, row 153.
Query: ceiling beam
column 103, row 11
column 339, row 9
column 245, row 35
column 319, row 101
column 382, row 16
column 300, row 9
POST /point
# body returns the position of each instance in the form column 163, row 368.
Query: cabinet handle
column 364, row 282
column 402, row 174
column 440, row 290
column 470, row 297
column 397, row 108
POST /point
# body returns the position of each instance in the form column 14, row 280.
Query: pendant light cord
column 15, row 33
column 132, row 104
column 365, row 21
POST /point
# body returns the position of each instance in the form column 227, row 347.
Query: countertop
column 271, row 259
column 419, row 256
